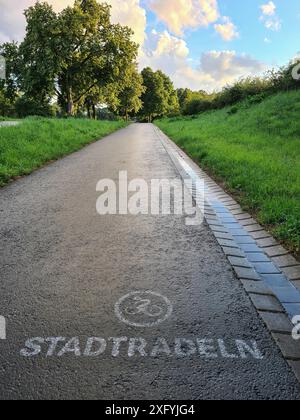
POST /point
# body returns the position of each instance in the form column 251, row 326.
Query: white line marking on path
column 2, row 328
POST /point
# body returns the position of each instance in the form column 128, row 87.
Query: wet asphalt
column 68, row 272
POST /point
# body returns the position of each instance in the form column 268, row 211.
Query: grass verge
column 35, row 142
column 254, row 150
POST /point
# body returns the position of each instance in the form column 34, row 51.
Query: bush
column 234, row 110
column 197, row 106
column 26, row 107
column 6, row 107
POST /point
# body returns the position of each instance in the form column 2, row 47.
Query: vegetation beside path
column 254, row 150
column 37, row 141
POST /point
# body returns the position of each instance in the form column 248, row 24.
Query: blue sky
column 284, row 43
column 201, row 44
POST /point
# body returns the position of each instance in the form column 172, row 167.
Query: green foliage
column 192, row 103
column 131, row 90
column 72, row 55
column 159, row 97
column 36, row 141
column 250, row 90
column 25, row 107
column 10, row 86
column 256, row 151
column 80, row 60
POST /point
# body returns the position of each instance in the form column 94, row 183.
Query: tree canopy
column 77, row 62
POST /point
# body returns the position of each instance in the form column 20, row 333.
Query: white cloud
column 268, row 9
column 130, row 13
column 179, row 15
column 269, row 17
column 160, row 50
column 215, row 69
column 227, row 29
column 273, row 24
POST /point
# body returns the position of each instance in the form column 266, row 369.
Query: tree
column 130, row 93
column 170, row 95
column 9, row 86
column 73, row 53
column 159, row 97
column 39, row 61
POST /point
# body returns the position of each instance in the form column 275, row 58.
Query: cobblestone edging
column 269, row 274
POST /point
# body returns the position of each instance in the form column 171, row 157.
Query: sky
column 200, row 44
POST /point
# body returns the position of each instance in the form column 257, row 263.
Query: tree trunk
column 94, row 112
column 89, row 111
column 70, row 108
column 70, row 105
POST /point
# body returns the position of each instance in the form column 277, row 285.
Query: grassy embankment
column 35, row 142
column 254, row 151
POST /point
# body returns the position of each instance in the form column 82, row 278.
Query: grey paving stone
column 293, row 309
column 237, row 212
column 221, row 212
column 296, row 283
column 224, row 197
column 225, row 213
column 239, row 262
column 219, row 208
column 243, row 216
column 276, row 251
column 226, row 242
column 256, row 287
column 267, row 242
column 290, row 348
column 247, row 222
column 222, row 235
column 218, row 228
column 277, row 323
column 266, row 303
column 246, row 273
column 234, row 252
column 233, row 207
column 250, row 248
column 295, row 365
column 257, row 257
column 231, row 225
column 253, row 228
column 260, row 234
column 285, row 261
column 238, row 232
column 275, row 280
column 213, row 221
column 288, row 294
column 227, row 219
column 228, row 201
column 244, row 240
column 266, row 268
column 293, row 273
column 210, row 213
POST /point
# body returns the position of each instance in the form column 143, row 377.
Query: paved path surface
column 9, row 123
column 64, row 268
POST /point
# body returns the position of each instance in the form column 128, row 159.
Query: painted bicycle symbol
column 144, row 306
column 143, row 309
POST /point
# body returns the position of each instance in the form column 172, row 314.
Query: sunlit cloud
column 213, row 70
column 227, row 29
column 179, row 15
column 269, row 17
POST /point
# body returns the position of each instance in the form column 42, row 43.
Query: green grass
column 36, row 141
column 255, row 153
column 7, row 119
